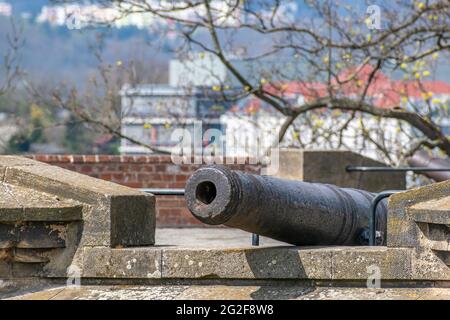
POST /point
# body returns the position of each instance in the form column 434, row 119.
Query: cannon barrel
column 422, row 159
column 295, row 212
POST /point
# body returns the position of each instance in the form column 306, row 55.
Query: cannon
column 422, row 159
column 295, row 212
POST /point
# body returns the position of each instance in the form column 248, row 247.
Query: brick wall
column 153, row 171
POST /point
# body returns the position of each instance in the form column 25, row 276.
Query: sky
column 52, row 45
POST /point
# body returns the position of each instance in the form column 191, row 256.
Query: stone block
column 132, row 220
column 104, row 262
column 424, row 203
column 426, row 265
column 25, row 270
column 329, row 166
column 359, row 263
column 112, row 214
column 261, row 263
column 5, row 269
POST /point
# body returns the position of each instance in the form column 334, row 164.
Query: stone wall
column 152, row 171
column 49, row 216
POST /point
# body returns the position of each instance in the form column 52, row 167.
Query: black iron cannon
column 295, row 212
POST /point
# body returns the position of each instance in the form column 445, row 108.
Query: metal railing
column 373, row 213
column 387, row 193
column 391, row 169
column 164, row 191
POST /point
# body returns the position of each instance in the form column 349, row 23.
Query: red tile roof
column 383, row 91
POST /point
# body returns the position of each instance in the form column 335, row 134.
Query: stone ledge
column 422, row 203
column 113, row 215
column 224, row 292
column 436, row 211
column 25, row 204
column 291, row 263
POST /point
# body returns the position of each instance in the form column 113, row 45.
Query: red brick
column 160, row 168
column 77, row 159
column 105, row 158
column 180, row 185
column 127, row 159
column 182, row 178
column 118, row 176
column 167, row 177
column 152, row 171
column 149, row 176
column 141, row 159
column 41, row 157
column 107, row 177
column 147, row 168
column 86, row 169
column 63, row 158
column 133, row 184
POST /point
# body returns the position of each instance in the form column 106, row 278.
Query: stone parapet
column 48, row 214
column 419, row 219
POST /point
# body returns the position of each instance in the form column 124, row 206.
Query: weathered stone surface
column 132, row 220
column 5, row 268
column 42, row 235
column 444, row 256
column 41, row 295
column 210, row 238
column 30, row 256
column 26, row 204
column 193, row 261
column 113, row 215
column 48, row 215
column 419, row 218
column 426, row 265
column 327, row 166
column 234, row 292
column 262, row 263
column 65, row 183
column 7, row 238
column 436, row 211
column 24, row 270
column 363, row 262
column 103, row 262
column 15, row 161
column 36, row 235
column 61, row 259
column 402, row 229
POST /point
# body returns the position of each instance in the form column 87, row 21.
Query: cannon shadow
column 279, row 263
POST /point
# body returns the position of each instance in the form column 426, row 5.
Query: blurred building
column 200, row 88
column 150, row 114
column 196, row 91
column 205, row 69
column 5, row 9
column 331, row 129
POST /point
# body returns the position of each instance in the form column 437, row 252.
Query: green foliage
column 31, row 132
column 13, row 103
column 78, row 137
column 112, row 147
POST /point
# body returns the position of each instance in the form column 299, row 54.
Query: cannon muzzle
column 295, row 212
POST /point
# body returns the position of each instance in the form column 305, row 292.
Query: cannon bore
column 295, row 212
